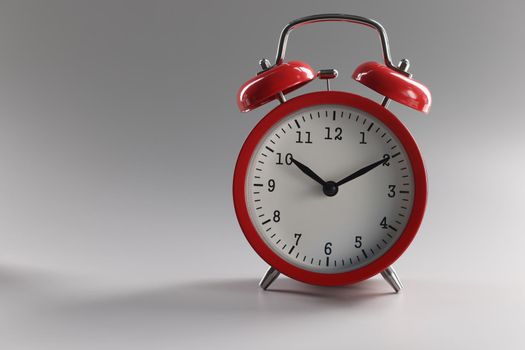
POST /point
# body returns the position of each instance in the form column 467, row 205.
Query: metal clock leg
column 269, row 277
column 390, row 275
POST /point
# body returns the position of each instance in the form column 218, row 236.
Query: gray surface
column 118, row 138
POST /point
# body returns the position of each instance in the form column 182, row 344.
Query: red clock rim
column 332, row 98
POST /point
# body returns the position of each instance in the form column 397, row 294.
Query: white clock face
column 330, row 188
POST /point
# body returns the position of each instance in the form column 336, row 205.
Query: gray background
column 118, row 136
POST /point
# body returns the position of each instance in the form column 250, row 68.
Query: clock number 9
column 271, row 185
column 392, row 191
column 287, row 158
column 276, row 216
column 328, row 248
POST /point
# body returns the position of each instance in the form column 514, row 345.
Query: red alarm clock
column 330, row 187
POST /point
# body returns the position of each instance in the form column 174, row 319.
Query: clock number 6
column 328, row 248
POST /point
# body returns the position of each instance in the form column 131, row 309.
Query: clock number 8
column 276, row 216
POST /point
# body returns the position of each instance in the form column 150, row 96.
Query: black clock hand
column 363, row 171
column 308, row 172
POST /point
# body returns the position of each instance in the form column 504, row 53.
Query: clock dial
column 329, row 188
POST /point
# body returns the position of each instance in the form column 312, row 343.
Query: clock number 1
column 363, row 142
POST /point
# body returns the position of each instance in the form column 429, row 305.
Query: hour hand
column 308, row 172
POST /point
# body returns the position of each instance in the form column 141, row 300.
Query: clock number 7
column 297, row 238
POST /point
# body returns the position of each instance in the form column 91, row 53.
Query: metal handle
column 335, row 17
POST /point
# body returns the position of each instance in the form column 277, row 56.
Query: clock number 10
column 287, row 159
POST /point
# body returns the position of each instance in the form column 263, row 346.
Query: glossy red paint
column 265, row 87
column 394, row 85
column 335, row 98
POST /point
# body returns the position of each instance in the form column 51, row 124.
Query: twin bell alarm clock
column 330, row 187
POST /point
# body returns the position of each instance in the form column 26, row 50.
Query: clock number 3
column 391, row 191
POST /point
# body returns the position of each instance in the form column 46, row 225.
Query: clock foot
column 269, row 277
column 390, row 275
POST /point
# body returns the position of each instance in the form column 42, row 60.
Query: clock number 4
column 333, row 135
column 383, row 223
column 307, row 138
column 287, row 159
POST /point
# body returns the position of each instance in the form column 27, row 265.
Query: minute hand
column 362, row 171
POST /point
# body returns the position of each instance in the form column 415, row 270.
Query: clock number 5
column 391, row 191
column 358, row 242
